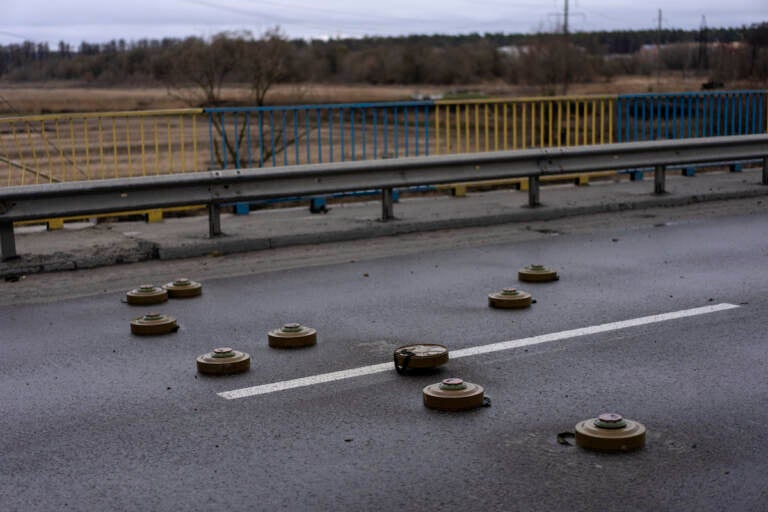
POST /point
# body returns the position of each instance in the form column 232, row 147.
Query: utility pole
column 703, row 61
column 658, row 53
column 567, row 48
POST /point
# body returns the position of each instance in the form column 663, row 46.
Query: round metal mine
column 509, row 298
column 453, row 395
column 292, row 336
column 223, row 361
column 146, row 294
column 182, row 288
column 610, row 432
column 419, row 357
column 153, row 323
column 537, row 274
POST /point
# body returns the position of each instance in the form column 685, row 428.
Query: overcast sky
column 101, row 20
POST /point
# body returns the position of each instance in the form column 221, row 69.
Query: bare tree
column 195, row 72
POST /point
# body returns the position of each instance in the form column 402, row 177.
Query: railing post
column 659, row 175
column 533, row 191
column 7, row 241
column 214, row 220
column 765, row 170
column 387, row 204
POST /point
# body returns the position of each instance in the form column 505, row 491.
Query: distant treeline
column 539, row 59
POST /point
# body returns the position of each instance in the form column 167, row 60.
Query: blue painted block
column 735, row 167
column 635, row 175
column 688, row 171
column 242, row 208
column 395, row 195
column 318, row 205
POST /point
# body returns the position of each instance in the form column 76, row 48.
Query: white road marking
column 473, row 351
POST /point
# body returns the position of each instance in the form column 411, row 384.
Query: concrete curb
column 229, row 244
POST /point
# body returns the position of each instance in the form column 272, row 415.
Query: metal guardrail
column 216, row 187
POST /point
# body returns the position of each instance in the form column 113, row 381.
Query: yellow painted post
column 523, row 127
column 74, row 153
column 514, row 125
column 477, row 127
column 458, row 128
column 610, row 120
column 170, row 147
column 542, row 142
column 183, row 155
column 594, row 127
column 568, row 123
column 485, row 130
column 61, row 152
column 143, row 143
column 154, row 216
column 586, row 123
column 437, row 129
column 7, row 158
column 114, row 144
column 157, row 147
column 533, row 124
column 466, row 129
column 21, row 154
column 194, row 143
column 448, row 128
column 549, row 123
column 87, row 150
column 602, row 121
column 34, row 153
column 54, row 224
column 101, row 148
column 576, row 124
column 495, row 126
column 559, row 122
column 505, row 107
column 128, row 145
column 47, row 151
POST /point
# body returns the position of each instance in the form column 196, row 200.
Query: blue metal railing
column 242, row 137
column 683, row 115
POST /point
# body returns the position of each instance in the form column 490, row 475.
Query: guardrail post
column 214, row 220
column 765, row 170
column 533, row 191
column 387, row 204
column 7, row 241
column 659, row 179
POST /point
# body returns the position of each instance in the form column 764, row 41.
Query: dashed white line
column 473, row 351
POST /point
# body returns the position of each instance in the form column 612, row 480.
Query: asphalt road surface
column 94, row 418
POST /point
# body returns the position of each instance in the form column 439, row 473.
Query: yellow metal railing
column 68, row 147
column 464, row 126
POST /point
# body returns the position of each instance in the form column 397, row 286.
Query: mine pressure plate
column 537, row 274
column 153, row 323
column 509, row 298
column 453, row 395
column 146, row 294
column 292, row 336
column 223, row 361
column 420, row 357
column 610, row 432
column 182, row 288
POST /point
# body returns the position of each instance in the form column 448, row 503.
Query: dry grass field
column 66, row 97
